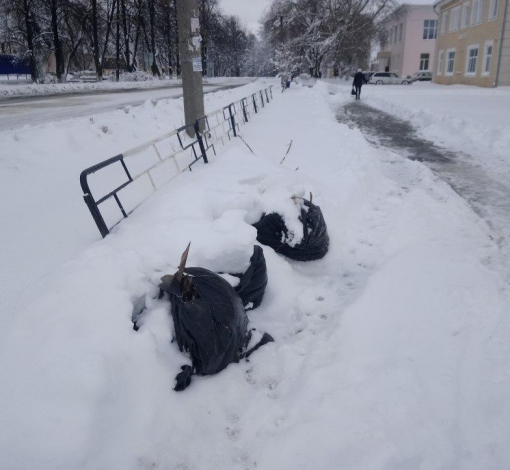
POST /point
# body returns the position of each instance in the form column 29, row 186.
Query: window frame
column 477, row 12
column 487, row 44
column 447, row 61
column 470, row 48
column 444, row 20
column 425, row 60
column 465, row 8
column 440, row 62
column 429, row 29
column 454, row 24
column 491, row 7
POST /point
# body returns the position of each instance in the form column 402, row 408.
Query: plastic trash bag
column 209, row 320
column 252, row 284
column 272, row 231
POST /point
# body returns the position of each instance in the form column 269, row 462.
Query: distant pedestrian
column 359, row 80
column 283, row 81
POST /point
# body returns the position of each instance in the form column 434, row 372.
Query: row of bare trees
column 307, row 34
column 125, row 35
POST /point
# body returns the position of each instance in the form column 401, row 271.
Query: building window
column 454, row 19
column 424, row 62
column 487, row 57
column 430, row 29
column 472, row 57
column 493, row 9
column 400, row 28
column 465, row 15
column 450, row 61
column 443, row 22
column 476, row 12
column 440, row 62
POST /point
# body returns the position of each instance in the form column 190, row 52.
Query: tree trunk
column 117, row 44
column 57, row 44
column 95, row 40
column 204, row 31
column 177, row 50
column 126, row 37
column 108, row 31
column 135, row 47
column 154, row 67
column 169, row 38
column 30, row 40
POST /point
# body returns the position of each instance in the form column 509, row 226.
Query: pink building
column 408, row 44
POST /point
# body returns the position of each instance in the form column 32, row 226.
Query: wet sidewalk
column 489, row 197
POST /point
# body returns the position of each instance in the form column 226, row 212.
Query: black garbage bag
column 252, row 284
column 209, row 320
column 272, row 231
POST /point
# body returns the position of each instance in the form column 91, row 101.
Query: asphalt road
column 17, row 112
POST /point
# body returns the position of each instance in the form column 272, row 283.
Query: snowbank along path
column 487, row 192
column 390, row 353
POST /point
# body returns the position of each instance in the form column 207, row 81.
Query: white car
column 388, row 78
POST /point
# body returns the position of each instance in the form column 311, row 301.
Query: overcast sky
column 248, row 10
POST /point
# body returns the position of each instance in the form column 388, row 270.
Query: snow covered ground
column 473, row 120
column 472, row 125
column 13, row 89
column 20, row 111
column 390, row 353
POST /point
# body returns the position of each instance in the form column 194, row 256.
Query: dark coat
column 359, row 79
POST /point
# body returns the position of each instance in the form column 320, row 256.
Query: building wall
column 415, row 45
column 406, row 53
column 504, row 66
column 463, row 39
column 392, row 50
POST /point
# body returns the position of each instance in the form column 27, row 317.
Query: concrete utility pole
column 191, row 61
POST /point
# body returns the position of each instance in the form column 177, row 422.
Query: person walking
column 283, row 81
column 357, row 83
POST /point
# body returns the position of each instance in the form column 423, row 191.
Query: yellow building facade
column 473, row 47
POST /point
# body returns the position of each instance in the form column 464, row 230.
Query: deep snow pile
column 39, row 181
column 391, row 352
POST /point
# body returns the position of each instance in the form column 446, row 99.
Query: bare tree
column 309, row 32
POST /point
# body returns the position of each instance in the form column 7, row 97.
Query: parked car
column 388, row 78
column 422, row 77
column 368, row 76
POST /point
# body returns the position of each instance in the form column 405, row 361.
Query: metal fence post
column 96, row 215
column 254, row 103
column 244, row 109
column 198, row 136
column 232, row 119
